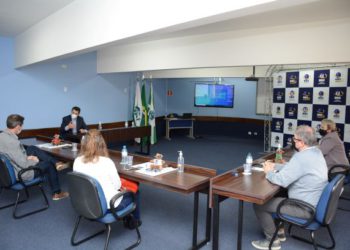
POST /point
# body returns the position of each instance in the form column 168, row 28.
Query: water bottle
column 124, row 155
column 248, row 163
column 249, row 159
column 279, row 154
column 180, row 163
column 99, row 126
column 126, row 124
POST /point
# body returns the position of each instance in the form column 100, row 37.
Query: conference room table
column 194, row 180
column 121, row 134
column 254, row 188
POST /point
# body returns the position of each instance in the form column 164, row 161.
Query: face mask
column 322, row 132
column 294, row 147
column 74, row 116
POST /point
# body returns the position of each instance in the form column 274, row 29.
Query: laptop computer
column 187, row 115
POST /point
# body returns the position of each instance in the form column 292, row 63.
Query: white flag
column 152, row 116
column 137, row 111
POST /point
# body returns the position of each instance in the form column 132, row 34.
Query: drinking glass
column 129, row 162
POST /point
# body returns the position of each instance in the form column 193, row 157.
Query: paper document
column 144, row 168
column 50, row 146
column 258, row 169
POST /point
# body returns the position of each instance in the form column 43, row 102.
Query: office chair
column 322, row 216
column 8, row 181
column 345, row 170
column 89, row 202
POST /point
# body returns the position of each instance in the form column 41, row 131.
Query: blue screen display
column 214, row 95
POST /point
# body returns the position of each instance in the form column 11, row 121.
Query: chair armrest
column 116, row 197
column 32, row 168
column 302, row 205
column 338, row 169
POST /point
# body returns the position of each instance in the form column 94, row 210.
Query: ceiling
column 18, row 15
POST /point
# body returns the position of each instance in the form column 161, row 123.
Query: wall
column 37, row 92
column 183, row 98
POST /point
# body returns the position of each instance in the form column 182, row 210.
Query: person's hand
column 83, row 131
column 33, row 158
column 268, row 166
column 70, row 125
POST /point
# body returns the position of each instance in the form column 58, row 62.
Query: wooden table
column 179, row 123
column 194, row 180
column 253, row 188
column 121, row 134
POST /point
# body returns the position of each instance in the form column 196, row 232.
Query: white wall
column 318, row 42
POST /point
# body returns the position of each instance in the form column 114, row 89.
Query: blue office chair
column 89, row 202
column 8, row 181
column 319, row 217
column 345, row 170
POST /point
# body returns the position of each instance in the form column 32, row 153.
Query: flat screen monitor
column 214, row 95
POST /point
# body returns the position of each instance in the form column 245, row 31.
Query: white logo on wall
column 337, row 113
column 338, row 77
column 306, row 78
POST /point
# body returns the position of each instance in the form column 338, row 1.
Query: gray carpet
column 166, row 216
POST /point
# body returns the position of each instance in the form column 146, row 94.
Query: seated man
column 73, row 123
column 22, row 158
column 304, row 176
column 331, row 145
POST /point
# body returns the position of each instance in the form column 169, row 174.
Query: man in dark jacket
column 73, row 123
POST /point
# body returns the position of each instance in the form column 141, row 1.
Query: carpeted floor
column 166, row 216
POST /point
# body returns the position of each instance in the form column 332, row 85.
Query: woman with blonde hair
column 94, row 161
column 330, row 144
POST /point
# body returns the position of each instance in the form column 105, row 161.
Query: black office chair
column 89, row 202
column 322, row 216
column 8, row 181
column 345, row 170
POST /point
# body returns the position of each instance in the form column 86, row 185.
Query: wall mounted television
column 214, row 95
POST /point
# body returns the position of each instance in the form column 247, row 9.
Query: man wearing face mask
column 304, row 176
column 73, row 124
column 331, row 145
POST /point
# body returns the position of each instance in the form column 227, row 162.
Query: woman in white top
column 93, row 161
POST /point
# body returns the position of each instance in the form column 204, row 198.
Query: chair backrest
column 328, row 203
column 7, row 172
column 86, row 195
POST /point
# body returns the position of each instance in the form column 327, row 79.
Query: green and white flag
column 144, row 121
column 152, row 116
column 137, row 111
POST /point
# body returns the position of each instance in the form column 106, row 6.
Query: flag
column 137, row 111
column 151, row 116
column 144, row 121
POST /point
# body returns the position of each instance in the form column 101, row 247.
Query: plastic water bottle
column 126, row 124
column 279, row 154
column 124, row 155
column 180, row 163
column 249, row 159
column 99, row 126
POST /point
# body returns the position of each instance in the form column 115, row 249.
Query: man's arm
column 83, row 124
column 287, row 174
column 18, row 157
column 64, row 124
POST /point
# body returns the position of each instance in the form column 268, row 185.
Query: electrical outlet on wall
column 249, row 132
column 255, row 133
